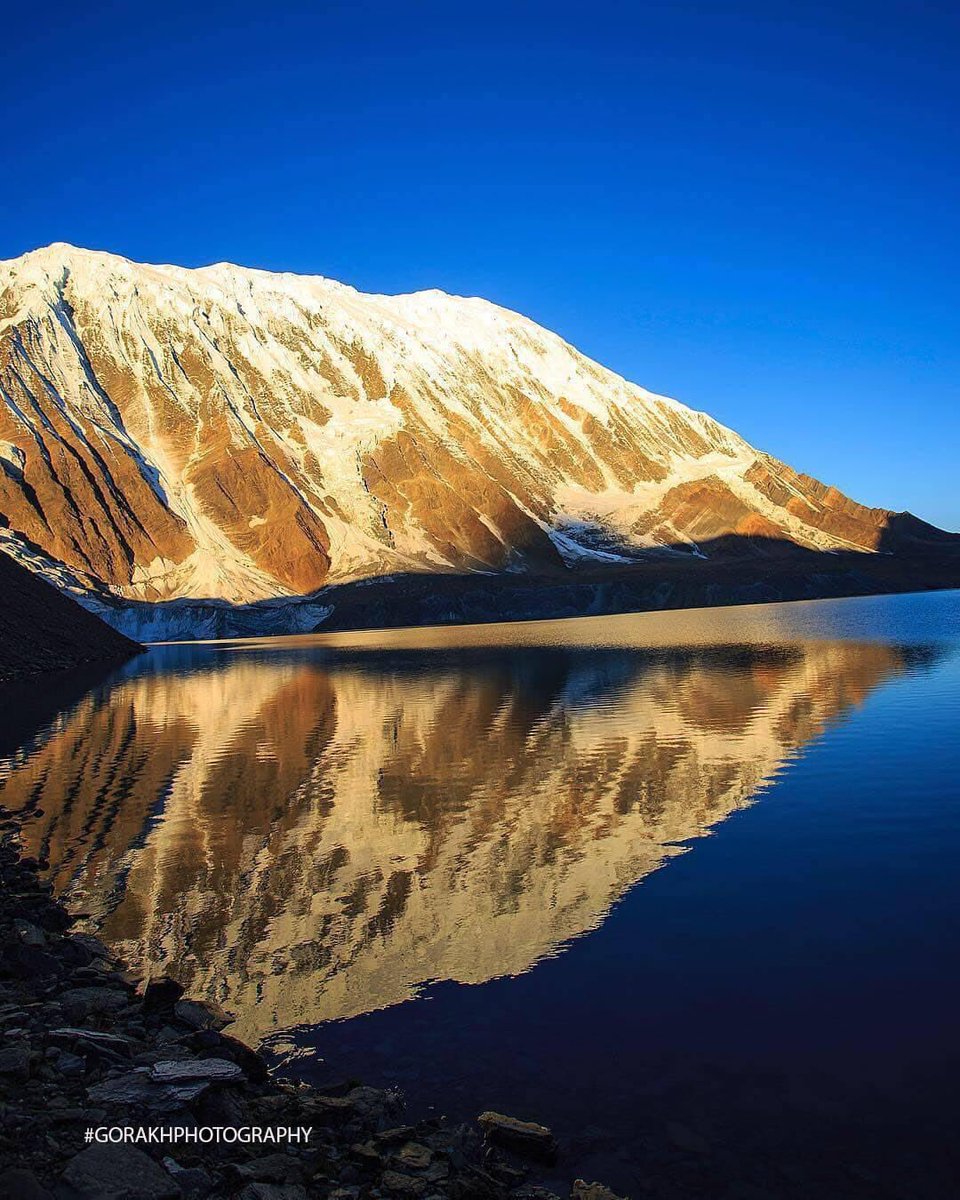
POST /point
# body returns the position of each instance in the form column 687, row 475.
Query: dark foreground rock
column 43, row 630
column 523, row 1137
column 86, row 1049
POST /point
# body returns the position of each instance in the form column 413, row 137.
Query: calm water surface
column 416, row 857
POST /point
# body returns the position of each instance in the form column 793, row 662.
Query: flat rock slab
column 209, row 1070
column 137, row 1088
column 118, row 1173
column 522, row 1137
column 93, row 1037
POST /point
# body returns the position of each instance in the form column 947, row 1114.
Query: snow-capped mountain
column 230, row 433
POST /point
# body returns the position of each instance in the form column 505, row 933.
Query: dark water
column 683, row 886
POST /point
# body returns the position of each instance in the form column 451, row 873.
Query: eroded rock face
column 230, row 433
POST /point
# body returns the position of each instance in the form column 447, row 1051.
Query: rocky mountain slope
column 42, row 630
column 227, row 433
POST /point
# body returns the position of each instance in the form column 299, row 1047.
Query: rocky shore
column 113, row 1089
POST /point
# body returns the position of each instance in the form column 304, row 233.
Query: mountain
column 230, row 434
column 42, row 630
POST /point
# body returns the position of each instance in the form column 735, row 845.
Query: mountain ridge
column 226, row 433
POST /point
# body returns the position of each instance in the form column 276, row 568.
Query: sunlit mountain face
column 223, row 433
column 312, row 832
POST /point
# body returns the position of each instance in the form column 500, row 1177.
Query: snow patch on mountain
column 228, row 433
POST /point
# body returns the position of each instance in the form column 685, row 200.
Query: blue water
column 682, row 886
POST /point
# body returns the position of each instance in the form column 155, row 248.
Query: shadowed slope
column 42, row 630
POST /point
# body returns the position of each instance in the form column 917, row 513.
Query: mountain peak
column 229, row 432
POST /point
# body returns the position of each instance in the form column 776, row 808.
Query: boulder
column 522, row 1137
column 160, row 994
column 118, row 1173
column 201, row 1015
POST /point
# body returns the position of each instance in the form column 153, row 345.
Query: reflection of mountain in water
column 305, row 840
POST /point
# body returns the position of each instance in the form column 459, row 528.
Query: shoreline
column 478, row 632
column 424, row 600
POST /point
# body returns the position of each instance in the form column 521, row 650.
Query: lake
column 683, row 886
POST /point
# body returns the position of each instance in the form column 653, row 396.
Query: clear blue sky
column 752, row 207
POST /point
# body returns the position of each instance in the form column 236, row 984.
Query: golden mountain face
column 228, row 433
column 308, row 834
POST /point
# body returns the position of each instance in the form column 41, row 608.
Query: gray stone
column 91, row 943
column 83, row 1002
column 273, row 1168
column 15, row 1061
column 118, row 1173
column 371, row 1102
column 70, row 1064
column 136, row 1087
column 210, row 1070
column 29, row 933
column 192, row 1181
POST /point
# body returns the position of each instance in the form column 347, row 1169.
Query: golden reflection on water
column 305, row 837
